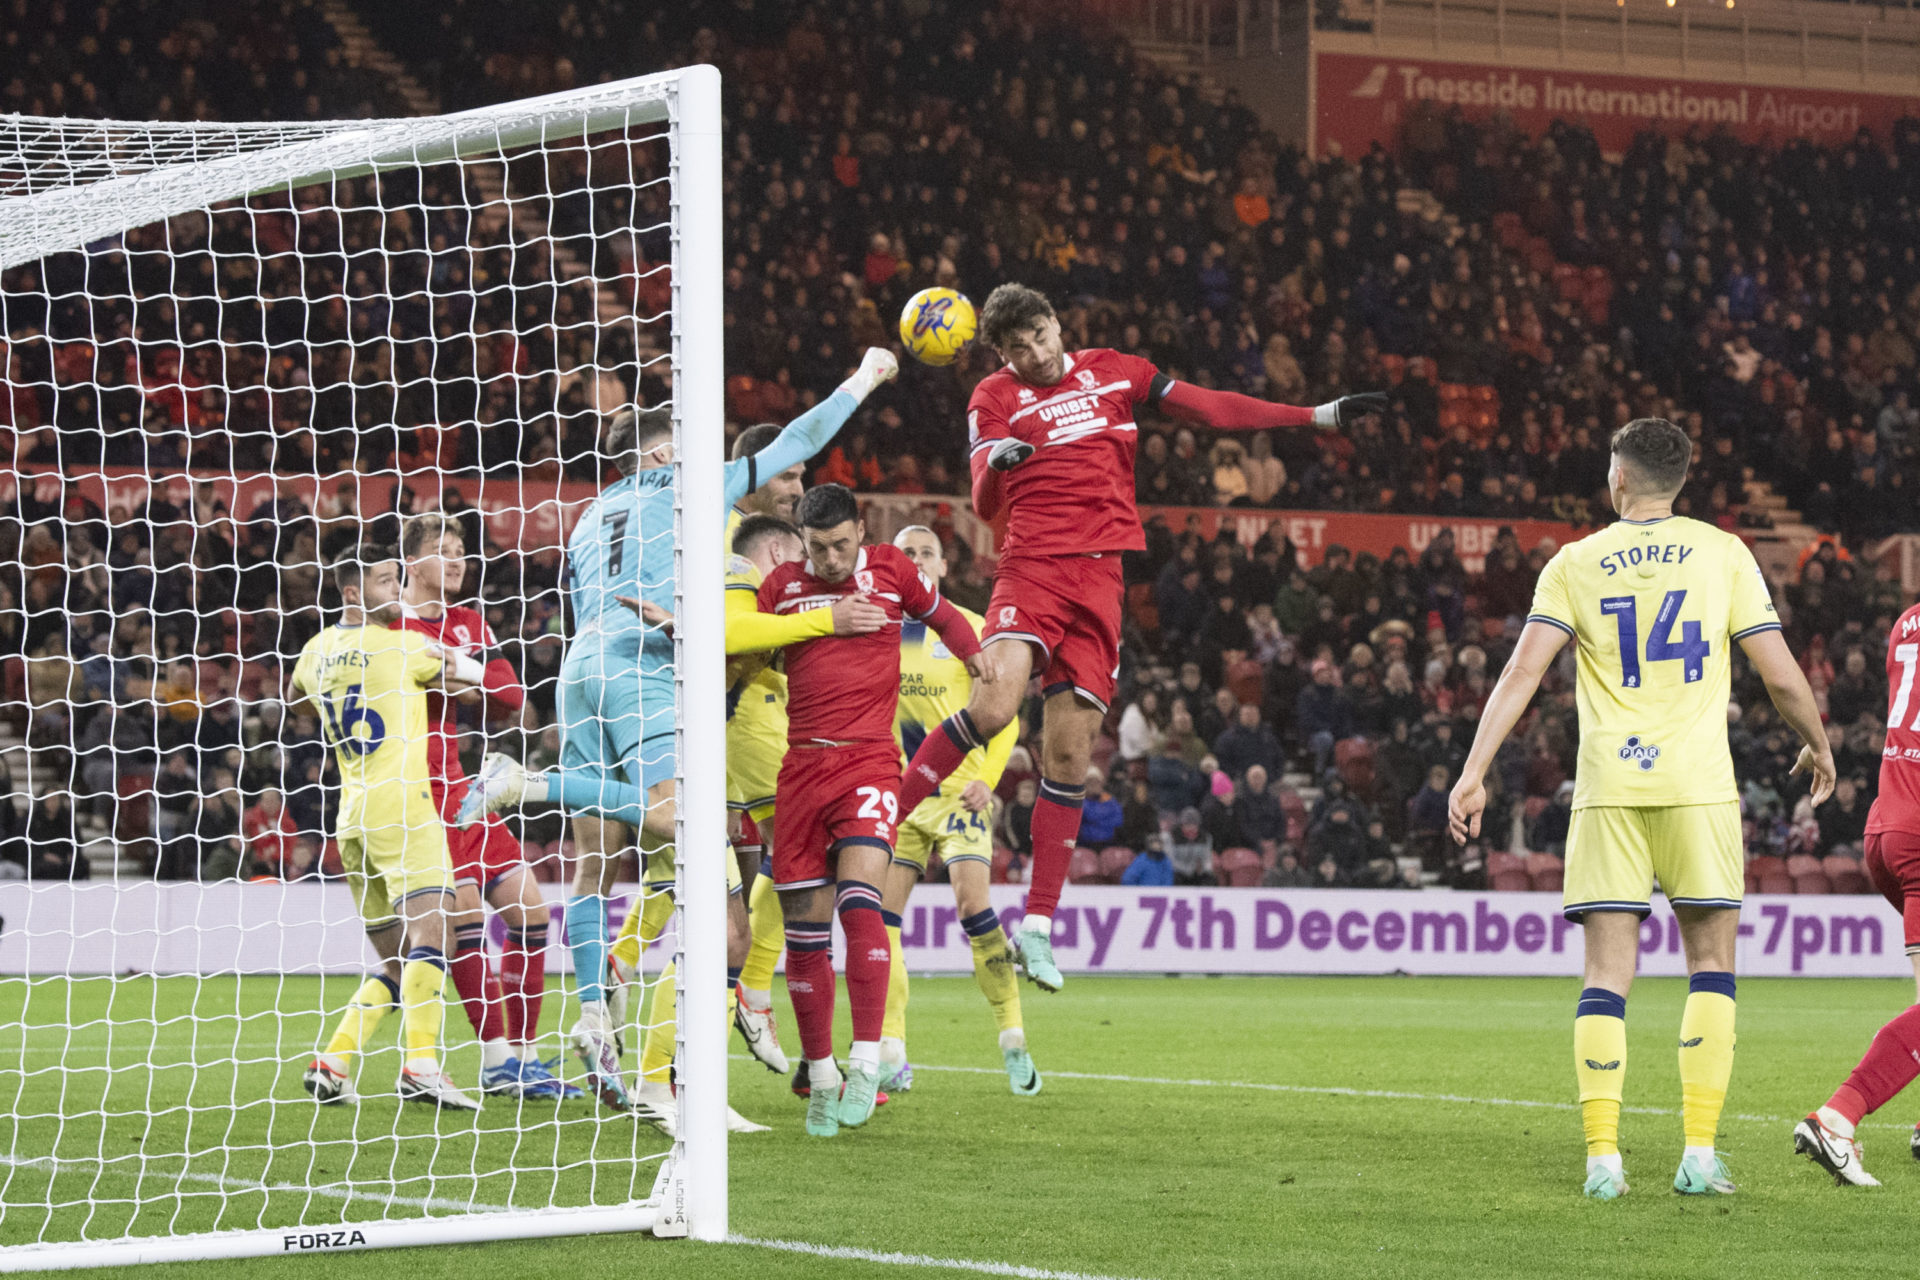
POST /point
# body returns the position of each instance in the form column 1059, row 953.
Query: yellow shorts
column 386, row 863
column 1614, row 855
column 943, row 824
column 662, row 871
column 753, row 767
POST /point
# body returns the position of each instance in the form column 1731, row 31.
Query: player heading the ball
column 1654, row 604
column 1052, row 438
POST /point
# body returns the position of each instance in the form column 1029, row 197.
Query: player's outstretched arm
column 751, row 631
column 813, row 430
column 1231, row 411
column 1539, row 644
column 1793, row 699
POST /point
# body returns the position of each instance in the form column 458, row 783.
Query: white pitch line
column 325, row 1191
column 1347, row 1091
column 843, row 1254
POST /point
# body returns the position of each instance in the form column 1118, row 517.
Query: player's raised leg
column 329, row 1076
column 1892, row 1060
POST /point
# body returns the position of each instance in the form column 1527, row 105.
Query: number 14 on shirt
column 1690, row 649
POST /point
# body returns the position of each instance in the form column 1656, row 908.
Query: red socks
column 940, row 754
column 810, row 985
column 523, row 980
column 869, row 958
column 1056, row 830
column 1891, row 1063
column 474, row 981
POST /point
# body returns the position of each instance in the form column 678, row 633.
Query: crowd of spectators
column 1768, row 300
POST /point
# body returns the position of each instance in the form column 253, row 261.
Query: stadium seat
column 1804, row 864
column 1241, row 868
column 1002, row 859
column 1846, row 875
column 1550, row 879
column 1752, row 882
column 1114, row 861
column 1767, row 865
column 1084, row 867
column 1542, row 863
column 1510, row 882
column 1499, row 864
column 1776, row 883
column 1812, row 882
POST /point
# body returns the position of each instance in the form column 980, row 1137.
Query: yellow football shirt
column 369, row 684
column 934, row 685
column 1654, row 608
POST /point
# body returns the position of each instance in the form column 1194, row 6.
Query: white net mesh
column 233, row 355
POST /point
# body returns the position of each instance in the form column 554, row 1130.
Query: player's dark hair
column 632, row 432
column 1010, row 309
column 349, row 568
column 756, row 529
column 1657, row 451
column 826, row 506
column 754, row 439
column 426, row 530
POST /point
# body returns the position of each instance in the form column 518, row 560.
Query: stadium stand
column 1530, row 297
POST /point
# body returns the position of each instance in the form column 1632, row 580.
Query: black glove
column 1007, row 454
column 1350, row 409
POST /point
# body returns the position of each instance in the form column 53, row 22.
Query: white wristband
column 466, row 670
column 1327, row 415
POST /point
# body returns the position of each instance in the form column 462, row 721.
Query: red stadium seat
column 1775, row 884
column 1002, row 859
column 1753, row 881
column 1499, row 864
column 1804, row 864
column 1813, row 882
column 1550, row 879
column 1510, row 882
column 1851, row 882
column 1539, row 863
column 1114, row 861
column 1240, row 868
column 1084, row 868
column 1767, row 865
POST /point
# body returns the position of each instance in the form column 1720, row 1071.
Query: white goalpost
column 229, row 350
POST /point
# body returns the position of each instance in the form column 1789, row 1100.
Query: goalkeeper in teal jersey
column 616, row 693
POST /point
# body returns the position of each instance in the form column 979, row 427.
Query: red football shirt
column 1075, row 494
column 1897, row 807
column 459, row 629
column 845, row 688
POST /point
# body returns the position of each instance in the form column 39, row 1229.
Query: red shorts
column 483, row 852
column 828, row 797
column 1068, row 607
column 1893, row 864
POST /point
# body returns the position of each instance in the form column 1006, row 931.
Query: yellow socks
column 769, row 936
column 422, row 980
column 656, row 1050
column 894, row 1027
column 993, row 968
column 643, row 926
column 1600, row 1066
column 370, row 1004
column 1706, row 1055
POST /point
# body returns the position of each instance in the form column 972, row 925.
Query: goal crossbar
column 67, row 215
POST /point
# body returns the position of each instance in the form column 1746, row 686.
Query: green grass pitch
column 1189, row 1128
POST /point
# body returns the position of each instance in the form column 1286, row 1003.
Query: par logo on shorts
column 1641, row 752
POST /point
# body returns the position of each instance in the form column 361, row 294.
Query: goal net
column 235, row 355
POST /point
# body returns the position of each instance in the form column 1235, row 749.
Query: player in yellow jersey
column 1654, row 604
column 369, row 684
column 956, row 822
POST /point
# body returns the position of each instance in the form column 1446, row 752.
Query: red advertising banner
column 522, row 514
column 1361, row 99
column 1314, row 531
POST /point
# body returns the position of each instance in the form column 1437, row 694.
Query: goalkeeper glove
column 1348, row 410
column 1008, row 454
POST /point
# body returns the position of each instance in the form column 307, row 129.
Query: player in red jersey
column 487, row 860
column 1892, row 1061
column 1052, row 440
column 837, row 798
